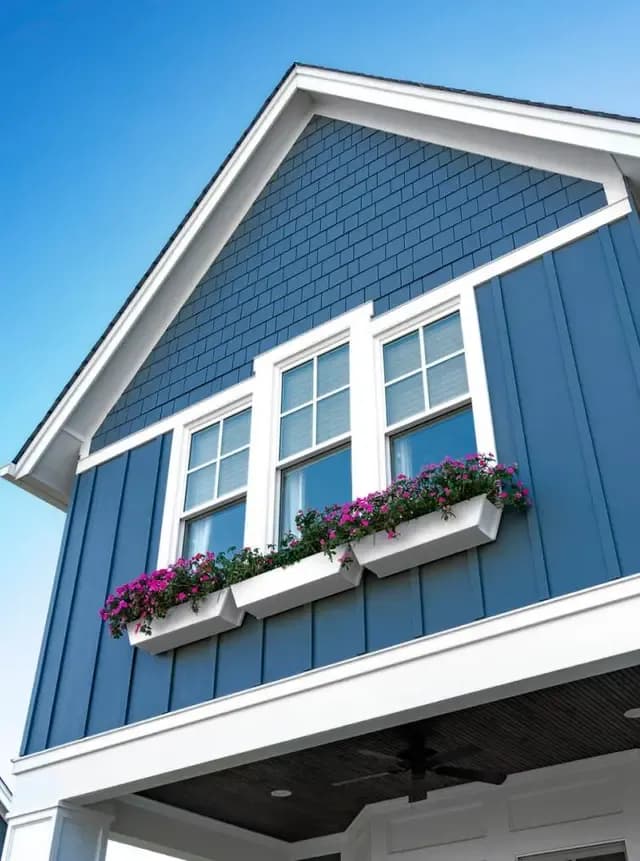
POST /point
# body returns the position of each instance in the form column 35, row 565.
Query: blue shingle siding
column 351, row 215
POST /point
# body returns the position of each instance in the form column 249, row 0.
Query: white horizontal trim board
column 550, row 138
column 562, row 639
column 402, row 315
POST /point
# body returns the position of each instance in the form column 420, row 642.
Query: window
column 427, row 400
column 213, row 511
column 314, row 462
column 299, row 434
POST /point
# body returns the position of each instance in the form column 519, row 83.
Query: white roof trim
column 555, row 139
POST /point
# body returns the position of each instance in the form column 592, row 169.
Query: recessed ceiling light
column 281, row 793
column 633, row 714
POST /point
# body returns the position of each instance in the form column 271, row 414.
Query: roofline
column 475, row 93
column 293, row 67
column 304, row 78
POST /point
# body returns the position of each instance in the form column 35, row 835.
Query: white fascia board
column 608, row 134
column 542, row 153
column 477, row 123
column 556, row 641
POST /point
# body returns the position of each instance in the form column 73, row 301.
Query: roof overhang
column 601, row 148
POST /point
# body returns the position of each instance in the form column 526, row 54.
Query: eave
column 600, row 147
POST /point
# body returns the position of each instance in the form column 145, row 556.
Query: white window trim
column 264, row 462
column 387, row 327
column 173, row 515
column 457, row 287
column 368, row 434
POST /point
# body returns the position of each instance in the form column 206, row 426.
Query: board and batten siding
column 562, row 352
column 351, row 215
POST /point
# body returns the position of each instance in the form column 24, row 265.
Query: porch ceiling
column 559, row 724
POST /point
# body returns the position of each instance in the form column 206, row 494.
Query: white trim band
column 559, row 640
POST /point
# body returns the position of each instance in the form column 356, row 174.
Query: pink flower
column 182, row 596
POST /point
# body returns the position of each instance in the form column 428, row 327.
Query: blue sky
column 114, row 115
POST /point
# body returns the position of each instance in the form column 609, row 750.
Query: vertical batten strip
column 44, row 646
column 621, row 299
column 108, row 582
column 522, row 452
column 64, row 622
column 585, row 436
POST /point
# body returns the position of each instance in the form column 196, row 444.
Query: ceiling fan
column 418, row 760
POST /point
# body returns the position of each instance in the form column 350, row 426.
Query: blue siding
column 562, row 350
column 351, row 215
column 112, row 534
column 562, row 354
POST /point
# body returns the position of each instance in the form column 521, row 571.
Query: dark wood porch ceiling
column 559, row 724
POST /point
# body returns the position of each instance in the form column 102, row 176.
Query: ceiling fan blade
column 460, row 773
column 452, row 755
column 376, row 754
column 417, row 788
column 361, row 779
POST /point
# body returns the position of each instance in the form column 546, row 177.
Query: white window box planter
column 430, row 537
column 308, row 580
column 216, row 613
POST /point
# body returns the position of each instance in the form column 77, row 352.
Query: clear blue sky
column 114, row 115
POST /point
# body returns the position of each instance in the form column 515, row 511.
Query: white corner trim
column 495, row 657
column 5, row 798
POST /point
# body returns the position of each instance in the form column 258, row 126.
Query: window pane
column 295, row 431
column 405, row 398
column 442, row 338
column 315, row 484
column 297, row 386
column 447, row 380
column 233, row 472
column 452, row 435
column 402, row 356
column 216, row 531
column 204, row 446
column 332, row 417
column 201, row 486
column 235, row 431
column 333, row 370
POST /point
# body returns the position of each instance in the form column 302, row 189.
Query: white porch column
column 61, row 833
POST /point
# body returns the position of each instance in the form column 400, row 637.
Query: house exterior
column 382, row 274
